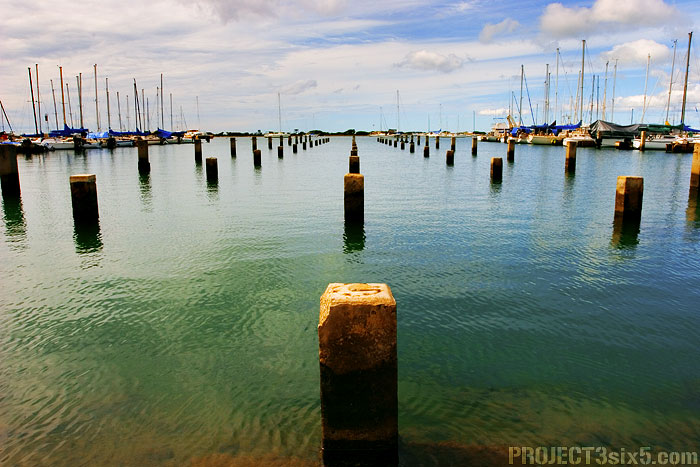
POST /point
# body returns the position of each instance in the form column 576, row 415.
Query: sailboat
column 279, row 133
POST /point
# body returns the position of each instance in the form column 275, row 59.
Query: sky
column 236, row 65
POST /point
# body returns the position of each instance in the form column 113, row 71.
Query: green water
column 184, row 329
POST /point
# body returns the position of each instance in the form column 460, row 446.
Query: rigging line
column 528, row 100
column 566, row 75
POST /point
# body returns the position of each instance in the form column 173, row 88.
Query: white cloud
column 635, row 53
column 431, row 61
column 299, row 87
column 491, row 112
column 490, row 30
column 562, row 21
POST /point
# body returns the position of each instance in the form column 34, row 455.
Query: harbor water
column 183, row 329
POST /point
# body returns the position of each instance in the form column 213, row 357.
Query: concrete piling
column 418, row 140
column 232, row 142
column 511, row 150
column 628, row 199
column 450, row 157
column 303, row 145
column 412, row 147
column 354, row 164
column 358, row 366
column 111, row 142
column 570, row 161
column 396, row 142
column 269, row 142
column 294, row 148
column 212, row 170
column 437, row 142
column 254, row 142
column 475, row 142
column 257, row 158
column 198, row 150
column 316, row 142
column 426, row 151
column 144, row 163
column 83, row 192
column 354, row 199
column 453, row 144
column 695, row 171
column 642, row 140
column 496, row 170
column 289, row 140
column 9, row 173
column 403, row 145
column 280, row 151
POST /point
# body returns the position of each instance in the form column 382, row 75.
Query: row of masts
column 577, row 105
column 140, row 106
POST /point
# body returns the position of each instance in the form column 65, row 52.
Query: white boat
column 656, row 142
column 582, row 141
column 548, row 140
column 53, row 144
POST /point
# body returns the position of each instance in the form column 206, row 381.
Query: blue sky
column 338, row 64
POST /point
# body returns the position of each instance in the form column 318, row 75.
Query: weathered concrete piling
column 354, row 164
column 642, row 140
column 83, row 193
column 254, row 143
column 358, row 365
column 316, row 142
column 303, row 145
column 9, row 173
column 289, row 140
column 257, row 158
column 354, row 199
column 232, row 142
column 418, row 140
column 294, row 148
column 695, row 171
column 570, row 161
column 212, row 170
column 144, row 163
column 453, row 144
column 280, row 151
column 426, row 151
column 628, row 199
column 475, row 142
column 437, row 142
column 496, row 170
column 396, row 142
column 450, row 157
column 403, row 144
column 412, row 147
column 198, row 150
column 269, row 142
column 511, row 150
column 111, row 142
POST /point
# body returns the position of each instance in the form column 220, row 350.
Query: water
column 183, row 330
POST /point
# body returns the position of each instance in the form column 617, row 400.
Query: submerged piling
column 437, row 142
column 232, row 142
column 426, row 151
column 9, row 172
column 257, row 158
column 83, row 192
column 403, row 144
column 453, row 144
column 269, row 142
column 450, row 157
column 570, row 161
column 354, row 197
column 628, row 198
column 212, row 170
column 511, row 150
column 412, row 147
column 254, row 143
column 144, row 164
column 358, row 366
column 475, row 142
column 294, row 148
column 496, row 170
column 280, row 151
column 198, row 150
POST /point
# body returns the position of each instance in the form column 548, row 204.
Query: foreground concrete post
column 212, row 170
column 280, row 151
column 437, row 142
column 144, row 163
column 9, row 173
column 570, row 162
column 511, row 150
column 198, row 150
column 695, row 170
column 269, row 142
column 294, row 148
column 83, row 193
column 642, row 140
column 257, row 158
column 628, row 199
column 233, row 147
column 496, row 170
column 354, row 201
column 475, row 142
column 450, row 157
column 354, row 164
column 357, row 356
column 254, row 142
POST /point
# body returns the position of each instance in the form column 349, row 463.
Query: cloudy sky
column 338, row 64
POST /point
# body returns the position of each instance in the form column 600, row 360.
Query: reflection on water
column 13, row 214
column 213, row 189
column 145, row 189
column 625, row 233
column 354, row 237
column 87, row 236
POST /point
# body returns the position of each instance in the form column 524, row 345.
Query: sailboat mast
column 55, row 110
column 199, row 121
column 612, row 110
column 109, row 116
column 171, row 112
column 520, row 108
column 119, row 111
column 646, row 82
column 605, row 88
column 31, row 87
column 144, row 123
column 398, row 113
column 79, row 83
column 97, row 107
column 70, row 107
column 128, row 118
column 583, row 64
column 162, row 118
column 556, row 89
column 670, row 84
column 38, row 99
column 63, row 102
column 685, row 86
column 546, row 95
column 136, row 107
column 148, row 116
column 279, row 110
